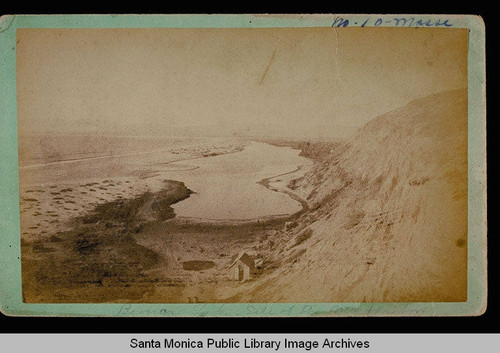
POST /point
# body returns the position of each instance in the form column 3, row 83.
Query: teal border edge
column 10, row 264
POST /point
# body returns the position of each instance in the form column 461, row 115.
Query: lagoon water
column 226, row 186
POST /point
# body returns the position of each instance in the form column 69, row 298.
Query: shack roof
column 245, row 259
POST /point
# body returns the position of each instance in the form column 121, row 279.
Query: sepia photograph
column 243, row 165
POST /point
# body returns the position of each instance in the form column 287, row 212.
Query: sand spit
column 275, row 184
column 53, row 192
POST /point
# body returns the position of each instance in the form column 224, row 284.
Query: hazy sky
column 79, row 78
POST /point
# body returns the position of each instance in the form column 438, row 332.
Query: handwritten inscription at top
column 394, row 22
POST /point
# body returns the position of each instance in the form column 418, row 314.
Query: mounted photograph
column 258, row 164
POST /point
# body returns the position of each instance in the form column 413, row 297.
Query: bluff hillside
column 388, row 217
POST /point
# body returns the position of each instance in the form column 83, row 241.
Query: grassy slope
column 388, row 220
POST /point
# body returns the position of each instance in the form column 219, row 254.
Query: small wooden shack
column 242, row 268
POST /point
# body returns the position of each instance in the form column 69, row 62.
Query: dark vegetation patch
column 296, row 255
column 294, row 183
column 100, row 248
column 418, row 181
column 55, row 238
column 128, row 211
column 303, row 236
column 85, row 243
column 355, row 218
column 210, row 154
